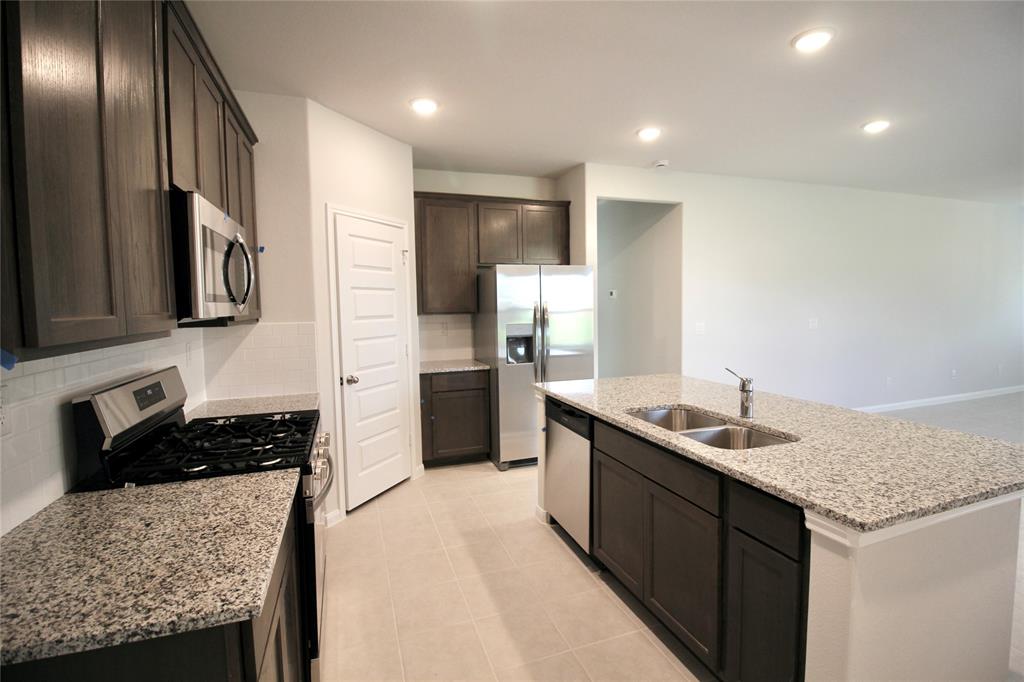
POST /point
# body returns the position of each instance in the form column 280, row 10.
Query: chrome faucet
column 746, row 395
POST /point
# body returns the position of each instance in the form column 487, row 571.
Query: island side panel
column 935, row 603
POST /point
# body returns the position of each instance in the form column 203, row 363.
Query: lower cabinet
column 455, row 415
column 682, row 568
column 618, row 520
column 721, row 564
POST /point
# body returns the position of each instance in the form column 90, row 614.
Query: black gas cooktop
column 211, row 447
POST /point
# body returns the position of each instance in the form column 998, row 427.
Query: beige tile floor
column 452, row 577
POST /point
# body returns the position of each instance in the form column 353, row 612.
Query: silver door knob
column 350, row 379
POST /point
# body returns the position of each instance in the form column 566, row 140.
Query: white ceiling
column 534, row 88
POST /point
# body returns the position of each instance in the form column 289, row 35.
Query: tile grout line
column 391, row 596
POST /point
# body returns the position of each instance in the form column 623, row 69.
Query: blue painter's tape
column 262, row 248
column 7, row 360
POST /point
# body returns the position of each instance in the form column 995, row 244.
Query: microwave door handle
column 250, row 274
column 226, row 272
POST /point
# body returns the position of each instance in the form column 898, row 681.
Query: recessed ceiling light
column 648, row 134
column 424, row 106
column 813, row 40
column 875, row 127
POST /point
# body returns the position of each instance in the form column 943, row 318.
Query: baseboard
column 334, row 516
column 417, row 472
column 942, row 399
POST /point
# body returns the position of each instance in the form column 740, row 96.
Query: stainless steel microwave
column 215, row 271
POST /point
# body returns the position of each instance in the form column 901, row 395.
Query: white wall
column 639, row 255
column 282, row 205
column 355, row 167
column 904, row 288
column 486, row 184
column 37, row 441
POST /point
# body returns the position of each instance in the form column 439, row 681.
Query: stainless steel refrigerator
column 534, row 323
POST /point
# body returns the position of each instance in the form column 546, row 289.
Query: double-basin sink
column 706, row 429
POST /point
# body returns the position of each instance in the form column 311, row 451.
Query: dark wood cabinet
column 723, row 565
column 241, row 192
column 500, row 228
column 545, row 234
column 136, row 161
column 764, row 601
column 446, row 255
column 455, row 416
column 282, row 653
column 682, row 568
column 618, row 520
column 455, row 233
column 86, row 145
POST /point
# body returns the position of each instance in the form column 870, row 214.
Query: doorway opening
column 639, row 287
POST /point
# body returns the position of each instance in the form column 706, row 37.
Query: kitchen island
column 913, row 530
column 167, row 581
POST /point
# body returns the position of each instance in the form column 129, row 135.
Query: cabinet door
column 500, row 233
column 210, row 138
column 136, row 179
column 232, row 171
column 461, row 423
column 69, row 258
column 618, row 520
column 546, row 235
column 763, row 606
column 446, row 254
column 681, row 569
column 181, row 105
column 247, row 217
column 283, row 658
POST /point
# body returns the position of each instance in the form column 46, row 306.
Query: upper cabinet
column 107, row 105
column 499, row 230
column 87, row 174
column 446, row 255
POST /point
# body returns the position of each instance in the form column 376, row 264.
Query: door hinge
column 406, row 350
column 405, row 256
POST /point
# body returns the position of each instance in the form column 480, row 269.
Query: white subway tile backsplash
column 36, row 443
column 263, row 359
column 446, row 337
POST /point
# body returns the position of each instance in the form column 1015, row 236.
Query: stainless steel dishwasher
column 567, row 469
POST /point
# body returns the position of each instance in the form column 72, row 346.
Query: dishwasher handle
column 575, row 420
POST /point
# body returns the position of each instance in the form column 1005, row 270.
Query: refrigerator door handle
column 545, row 334
column 536, row 343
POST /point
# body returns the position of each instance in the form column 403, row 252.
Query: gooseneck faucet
column 746, row 395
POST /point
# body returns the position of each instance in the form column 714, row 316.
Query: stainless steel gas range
column 135, row 433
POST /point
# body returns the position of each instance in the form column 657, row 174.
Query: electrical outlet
column 812, row 323
column 999, row 369
column 188, row 354
column 700, row 328
column 889, row 382
column 444, row 328
column 953, row 374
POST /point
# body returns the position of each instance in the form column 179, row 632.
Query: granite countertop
column 230, row 407
column 105, row 568
column 864, row 471
column 443, row 366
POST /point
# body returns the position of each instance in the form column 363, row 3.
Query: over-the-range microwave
column 214, row 268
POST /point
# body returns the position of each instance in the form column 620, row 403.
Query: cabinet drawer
column 687, row 479
column 458, row 381
column 774, row 522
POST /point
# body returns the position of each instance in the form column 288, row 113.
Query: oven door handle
column 327, row 486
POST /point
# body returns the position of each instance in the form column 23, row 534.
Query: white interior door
column 372, row 298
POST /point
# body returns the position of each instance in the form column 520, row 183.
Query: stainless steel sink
column 735, row 437
column 677, row 418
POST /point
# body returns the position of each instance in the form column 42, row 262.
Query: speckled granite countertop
column 272, row 403
column 864, row 471
column 104, row 568
column 443, row 366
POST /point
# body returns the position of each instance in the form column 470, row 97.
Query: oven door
column 221, row 270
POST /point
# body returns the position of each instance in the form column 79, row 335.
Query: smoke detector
column 661, row 163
